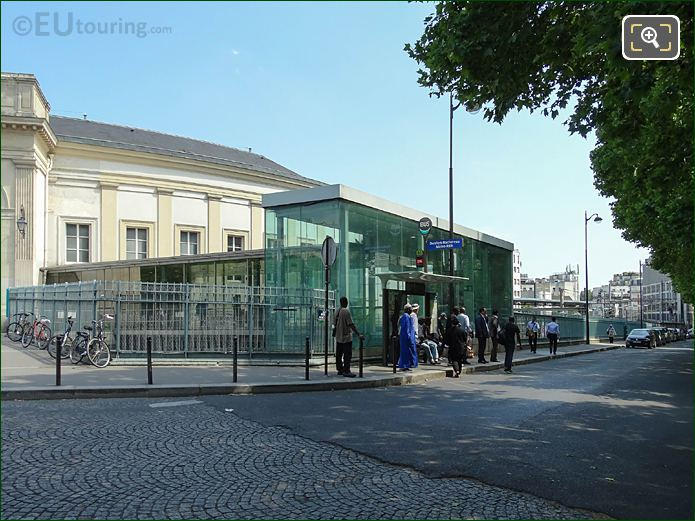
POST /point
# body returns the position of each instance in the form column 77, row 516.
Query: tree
column 551, row 56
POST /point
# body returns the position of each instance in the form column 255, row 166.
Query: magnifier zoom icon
column 648, row 35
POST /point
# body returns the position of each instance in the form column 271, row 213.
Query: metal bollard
column 361, row 357
column 306, row 359
column 149, row 360
column 393, row 352
column 59, row 345
column 235, row 353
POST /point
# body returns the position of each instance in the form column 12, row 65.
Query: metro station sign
column 444, row 244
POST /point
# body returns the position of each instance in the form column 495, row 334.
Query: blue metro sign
column 444, row 244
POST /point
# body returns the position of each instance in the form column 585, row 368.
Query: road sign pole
column 325, row 325
column 329, row 251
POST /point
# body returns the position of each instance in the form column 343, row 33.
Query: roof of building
column 330, row 192
column 89, row 132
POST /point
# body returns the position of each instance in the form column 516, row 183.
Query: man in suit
column 482, row 333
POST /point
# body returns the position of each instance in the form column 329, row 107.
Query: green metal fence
column 184, row 319
column 574, row 327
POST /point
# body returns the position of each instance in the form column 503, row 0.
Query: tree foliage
column 550, row 56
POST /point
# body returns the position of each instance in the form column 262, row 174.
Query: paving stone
column 199, row 463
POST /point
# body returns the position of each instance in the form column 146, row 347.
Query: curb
column 180, row 390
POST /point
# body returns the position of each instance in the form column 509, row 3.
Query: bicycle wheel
column 43, row 336
column 78, row 349
column 15, row 331
column 98, row 353
column 53, row 347
column 28, row 335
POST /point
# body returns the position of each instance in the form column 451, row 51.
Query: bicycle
column 38, row 332
column 97, row 350
column 15, row 328
column 65, row 345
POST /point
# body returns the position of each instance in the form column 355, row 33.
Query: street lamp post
column 641, row 317
column 596, row 219
column 452, row 108
column 472, row 109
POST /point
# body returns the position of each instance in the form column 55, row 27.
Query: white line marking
column 175, row 404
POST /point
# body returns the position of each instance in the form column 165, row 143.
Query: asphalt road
column 610, row 432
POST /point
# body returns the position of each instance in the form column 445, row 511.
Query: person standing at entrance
column 455, row 338
column 532, row 330
column 344, row 327
column 482, row 333
column 508, row 335
column 552, row 331
column 406, row 335
column 493, row 325
column 611, row 333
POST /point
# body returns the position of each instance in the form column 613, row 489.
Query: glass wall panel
column 377, row 242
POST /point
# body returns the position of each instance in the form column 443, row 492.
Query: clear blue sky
column 326, row 90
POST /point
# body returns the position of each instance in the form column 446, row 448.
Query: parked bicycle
column 65, row 340
column 38, row 332
column 96, row 350
column 16, row 326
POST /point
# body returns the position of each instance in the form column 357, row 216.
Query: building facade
column 76, row 191
column 661, row 304
column 516, row 274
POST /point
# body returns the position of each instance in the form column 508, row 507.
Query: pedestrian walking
column 493, row 325
column 532, row 330
column 509, row 334
column 482, row 333
column 611, row 333
column 552, row 331
column 456, row 340
column 343, row 329
column 408, row 355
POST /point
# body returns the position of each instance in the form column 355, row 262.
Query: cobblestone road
column 124, row 459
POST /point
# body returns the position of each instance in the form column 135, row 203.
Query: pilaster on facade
column 165, row 244
column 214, row 228
column 109, row 221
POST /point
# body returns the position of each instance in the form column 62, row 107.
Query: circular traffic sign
column 329, row 251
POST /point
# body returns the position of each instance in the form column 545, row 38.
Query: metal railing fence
column 184, row 319
column 574, row 327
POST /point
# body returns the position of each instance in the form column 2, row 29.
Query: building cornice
column 31, row 124
column 161, row 186
column 198, row 165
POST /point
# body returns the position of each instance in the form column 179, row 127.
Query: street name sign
column 444, row 244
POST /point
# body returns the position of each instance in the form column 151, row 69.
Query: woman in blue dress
column 407, row 340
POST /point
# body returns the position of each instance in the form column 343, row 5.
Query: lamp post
column 452, row 108
column 641, row 317
column 473, row 109
column 596, row 219
column 22, row 222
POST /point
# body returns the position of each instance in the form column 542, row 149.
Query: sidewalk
column 30, row 374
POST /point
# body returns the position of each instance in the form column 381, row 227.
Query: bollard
column 306, row 359
column 361, row 356
column 393, row 352
column 149, row 360
column 59, row 345
column 235, row 353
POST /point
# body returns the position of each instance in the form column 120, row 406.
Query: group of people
column 552, row 333
column 453, row 334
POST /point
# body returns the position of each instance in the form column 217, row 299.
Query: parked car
column 690, row 333
column 658, row 336
column 641, row 338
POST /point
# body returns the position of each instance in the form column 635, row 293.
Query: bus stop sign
column 425, row 225
column 329, row 251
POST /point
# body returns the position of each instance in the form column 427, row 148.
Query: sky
column 326, row 90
